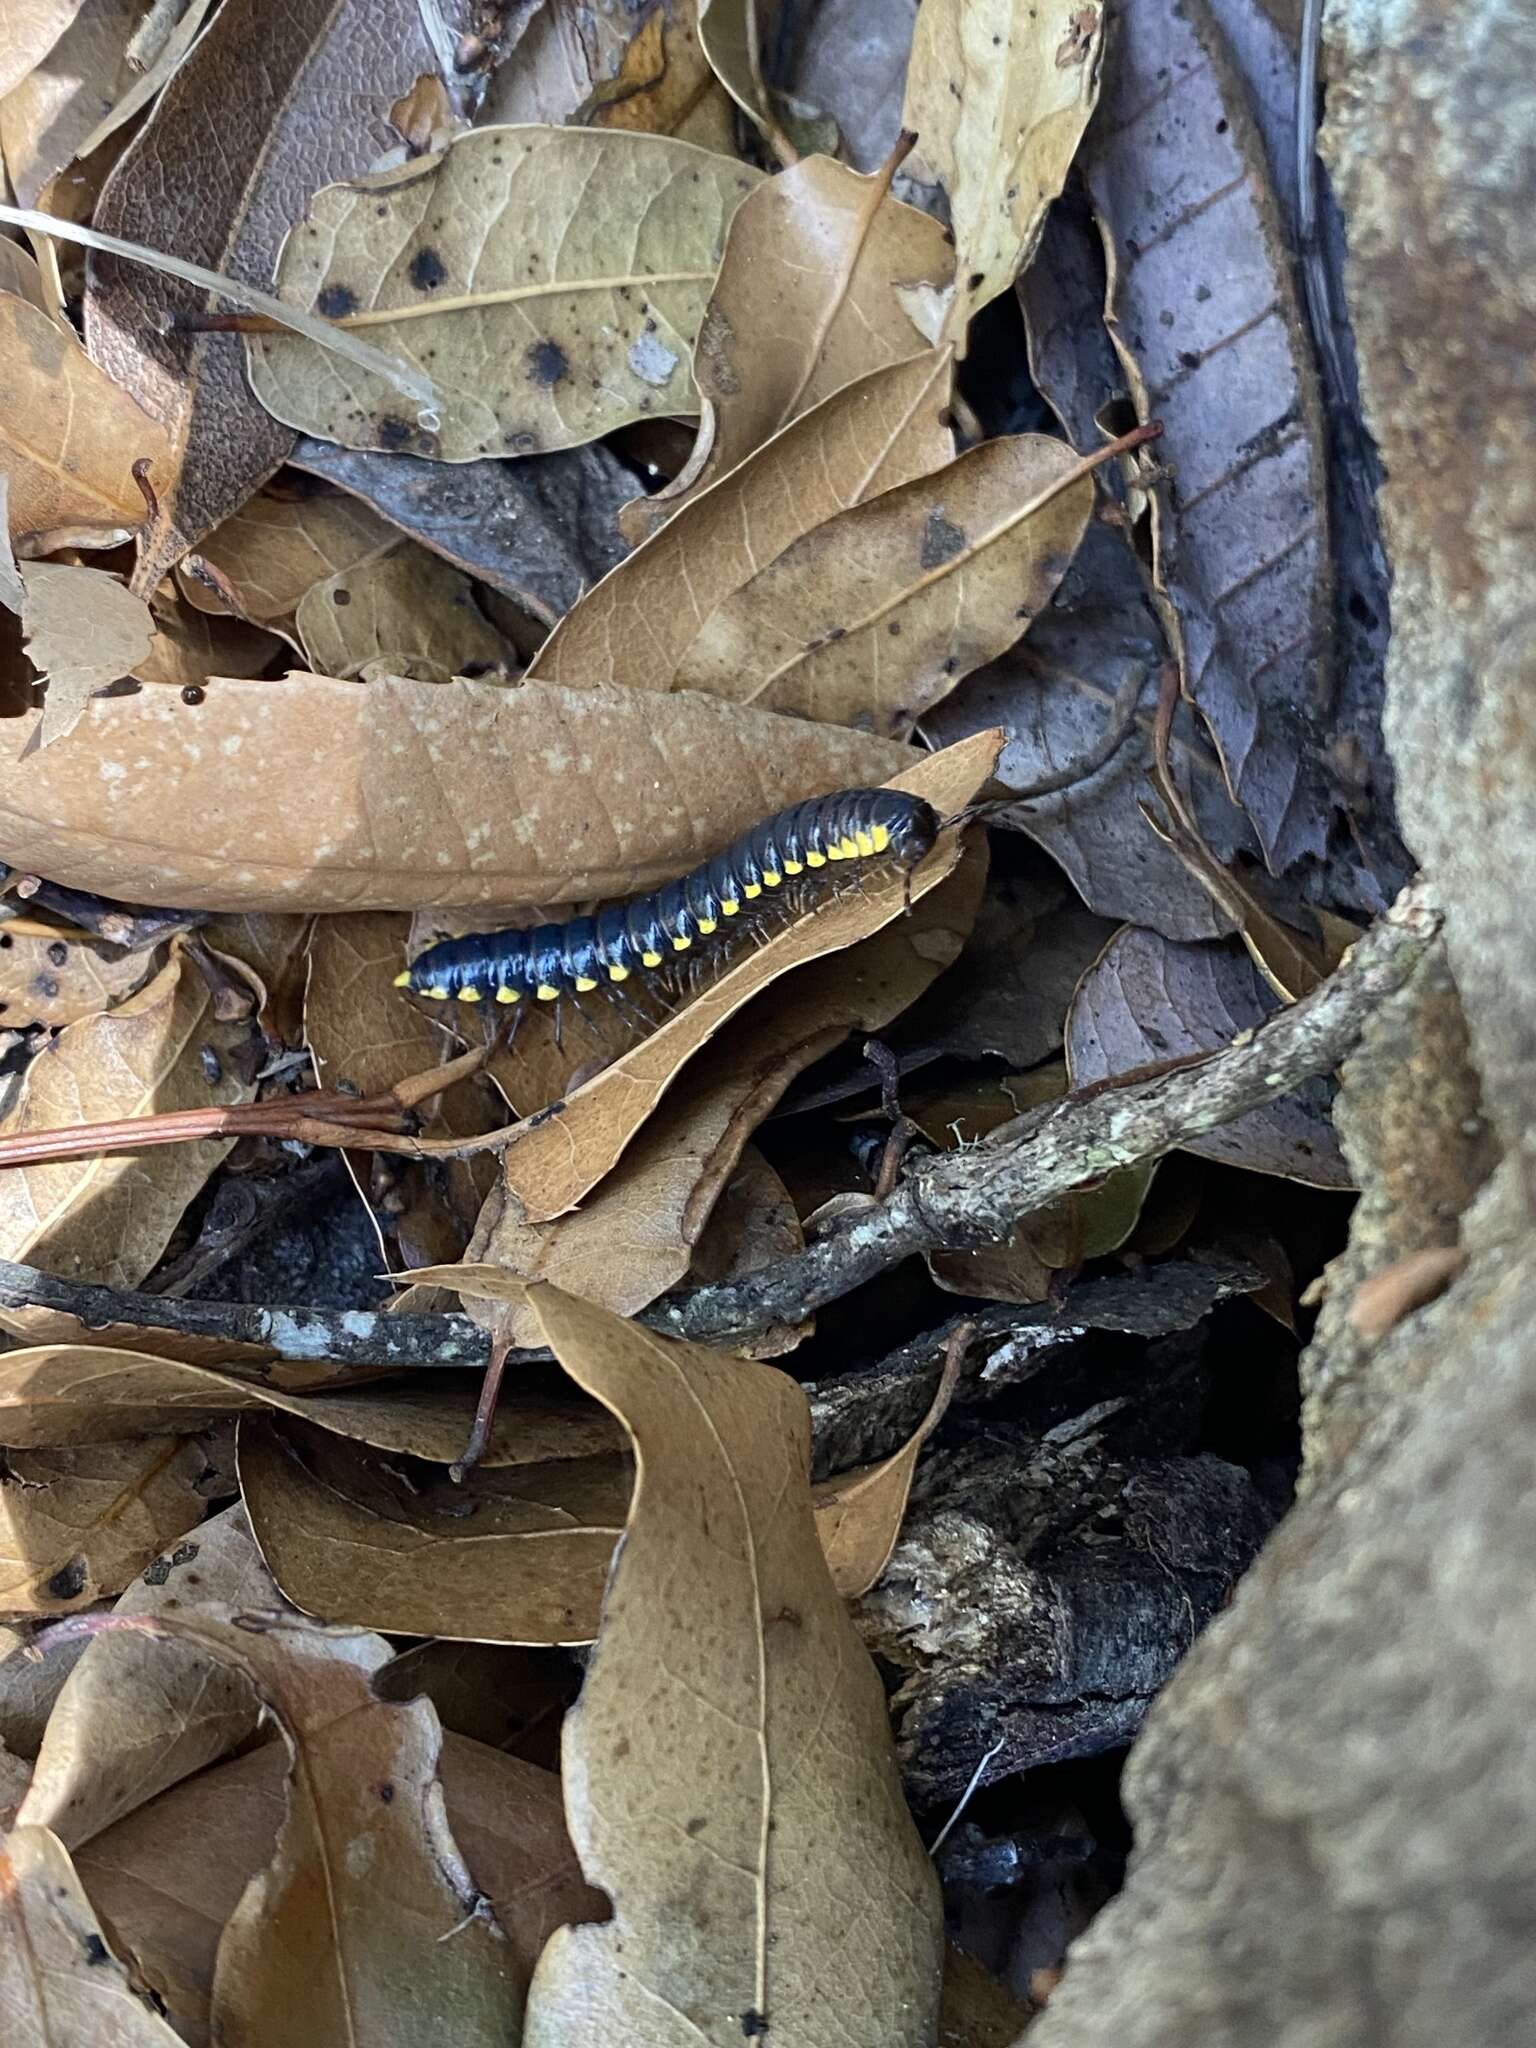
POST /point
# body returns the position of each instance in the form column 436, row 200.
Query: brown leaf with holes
column 550, row 280
column 83, row 630
column 242, row 144
column 57, row 974
column 264, row 557
column 169, row 1876
column 77, row 1524
column 872, row 617
column 137, row 1715
column 998, row 98
column 553, row 1161
column 405, row 613
column 59, row 1981
column 397, row 793
column 70, row 438
column 822, row 274
column 762, row 1720
column 638, row 623
column 108, row 1219
column 513, row 1555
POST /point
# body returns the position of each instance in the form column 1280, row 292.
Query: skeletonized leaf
column 636, row 626
column 109, row 1219
column 57, row 974
column 635, row 1236
column 553, row 1161
column 731, row 1745
column 998, row 97
column 1145, row 1000
column 76, row 1525
column 135, row 1715
column 241, row 144
column 553, row 280
column 59, row 1981
column 404, row 613
column 273, row 549
column 809, row 298
column 871, row 617
column 398, row 793
column 70, row 438
column 84, row 630
column 346, row 1530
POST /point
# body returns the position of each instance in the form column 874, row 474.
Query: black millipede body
column 698, row 916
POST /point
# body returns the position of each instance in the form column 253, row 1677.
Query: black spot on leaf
column 68, row 1582
column 427, row 270
column 547, row 363
column 942, row 540
column 336, row 302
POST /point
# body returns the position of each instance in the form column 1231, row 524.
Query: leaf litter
column 661, row 506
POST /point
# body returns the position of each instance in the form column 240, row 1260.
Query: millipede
column 692, row 926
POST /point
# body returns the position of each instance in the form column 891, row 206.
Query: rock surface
column 1334, row 1800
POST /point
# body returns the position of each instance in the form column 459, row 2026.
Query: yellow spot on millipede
column 507, row 995
column 618, row 973
column 469, row 995
column 545, row 993
column 650, row 959
column 584, row 982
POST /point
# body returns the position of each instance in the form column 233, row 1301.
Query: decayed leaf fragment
column 552, row 1161
column 998, row 97
column 59, row 1981
column 811, row 295
column 728, row 1766
column 636, row 625
column 241, row 144
column 403, row 613
column 70, row 438
column 56, row 974
column 398, row 793
column 551, row 279
column 77, row 1524
column 266, row 555
column 83, row 631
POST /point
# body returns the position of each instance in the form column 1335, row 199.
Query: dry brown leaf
column 753, row 1222
column 730, row 32
column 29, row 1686
column 666, row 85
column 636, row 1235
column 407, row 613
column 168, row 1877
column 551, row 279
column 809, row 298
column 552, row 1162
column 399, row 793
column 60, row 1984
column 265, row 556
column 728, row 1706
column 83, row 630
column 20, row 276
column 59, row 1394
column 875, row 615
column 70, row 438
column 859, row 1514
column 76, row 1524
column 241, row 144
column 508, row 1556
column 57, row 974
column 109, row 1219
column 189, row 646
column 636, row 625
column 999, row 98
column 32, row 27
column 136, row 1715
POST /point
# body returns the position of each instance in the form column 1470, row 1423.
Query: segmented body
column 795, row 853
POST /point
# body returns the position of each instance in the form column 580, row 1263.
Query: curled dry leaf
column 78, row 1524
column 265, row 556
column 637, row 625
column 83, row 631
column 636, row 1235
column 135, row 1715
column 1146, row 1000
column 512, row 1556
column 872, row 617
column 539, row 530
column 242, row 144
column 550, row 1163
column 552, row 279
column 809, row 298
column 399, row 793
column 190, row 645
column 1176, row 168
column 168, row 1877
column 69, row 437
column 998, row 98
column 59, row 1981
column 403, row 613
column 56, row 974
column 59, row 1394
column 32, row 29
column 730, row 1746
column 109, row 1219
